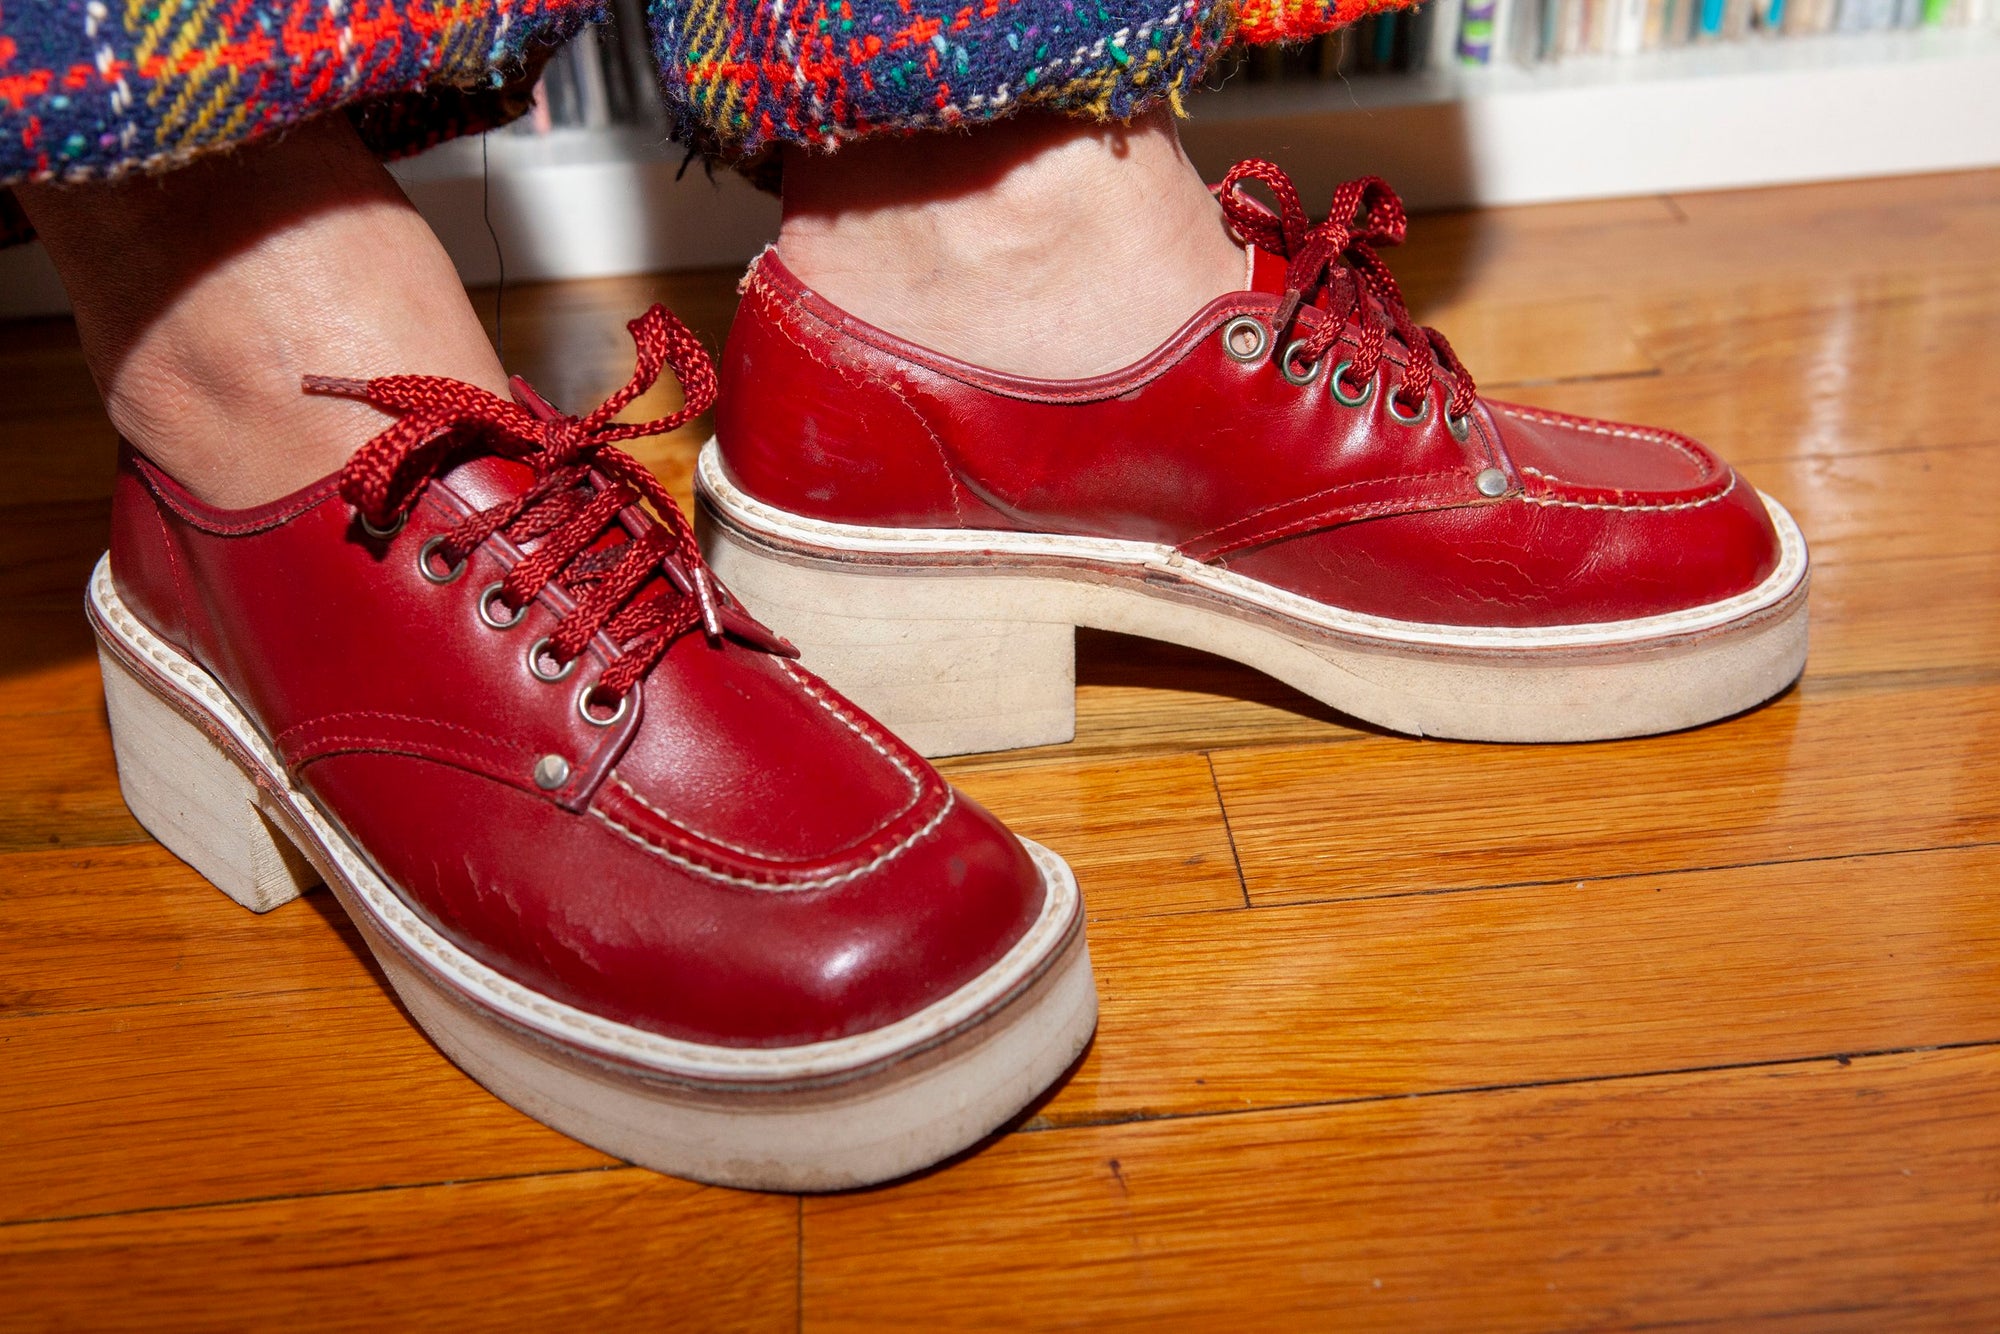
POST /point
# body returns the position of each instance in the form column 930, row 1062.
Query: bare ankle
column 1036, row 246
column 232, row 279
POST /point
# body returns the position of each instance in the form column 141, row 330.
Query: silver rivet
column 1491, row 482
column 551, row 772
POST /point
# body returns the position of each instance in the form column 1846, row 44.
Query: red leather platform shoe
column 1300, row 479
column 628, row 865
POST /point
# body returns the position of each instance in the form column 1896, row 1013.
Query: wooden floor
column 1702, row 1030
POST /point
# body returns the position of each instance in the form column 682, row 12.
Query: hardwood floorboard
column 237, row 1097
column 60, row 789
column 1145, row 836
column 100, row 928
column 1583, row 337
column 1804, row 776
column 1865, row 1190
column 577, row 1251
column 1932, row 615
column 1844, row 417
column 1836, row 234
column 1578, row 980
column 1314, row 1003
column 1844, row 500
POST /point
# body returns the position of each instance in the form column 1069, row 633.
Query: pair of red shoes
column 649, row 879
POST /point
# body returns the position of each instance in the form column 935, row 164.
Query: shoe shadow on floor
column 1135, row 691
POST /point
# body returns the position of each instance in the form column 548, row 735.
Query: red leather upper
column 1230, row 462
column 743, row 859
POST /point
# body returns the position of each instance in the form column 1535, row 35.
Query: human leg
column 204, row 295
column 1042, row 245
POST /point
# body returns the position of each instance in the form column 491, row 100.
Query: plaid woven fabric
column 742, row 75
column 94, row 88
column 97, row 87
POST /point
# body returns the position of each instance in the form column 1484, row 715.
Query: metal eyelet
column 1239, row 325
column 424, row 554
column 1422, row 415
column 1301, row 378
column 486, row 604
column 1337, row 386
column 535, row 652
column 382, row 534
column 1460, row 427
column 583, row 708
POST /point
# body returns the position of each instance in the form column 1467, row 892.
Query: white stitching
column 819, row 697
column 755, row 516
column 809, row 882
column 1635, row 509
column 448, row 959
column 720, row 842
column 1685, row 447
column 778, row 307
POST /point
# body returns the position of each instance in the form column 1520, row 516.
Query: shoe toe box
column 841, row 887
column 1606, row 523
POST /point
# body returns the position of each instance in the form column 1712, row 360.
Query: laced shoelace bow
column 1339, row 256
column 566, row 510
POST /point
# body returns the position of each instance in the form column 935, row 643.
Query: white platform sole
column 827, row 1116
column 964, row 641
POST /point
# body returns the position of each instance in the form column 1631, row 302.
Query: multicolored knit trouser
column 95, row 88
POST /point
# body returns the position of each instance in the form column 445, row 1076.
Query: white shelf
column 591, row 203
column 585, row 204
column 1708, row 117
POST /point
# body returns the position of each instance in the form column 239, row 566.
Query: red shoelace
column 1338, row 257
column 584, row 490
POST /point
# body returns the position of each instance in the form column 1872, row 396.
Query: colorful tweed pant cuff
column 742, row 75
column 95, row 88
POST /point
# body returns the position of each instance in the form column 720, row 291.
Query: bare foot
column 202, row 296
column 1037, row 245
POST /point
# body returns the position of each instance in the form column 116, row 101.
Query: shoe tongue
column 1267, row 272
column 485, row 480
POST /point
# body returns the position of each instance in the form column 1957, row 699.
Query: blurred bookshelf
column 1762, row 110
column 1457, row 103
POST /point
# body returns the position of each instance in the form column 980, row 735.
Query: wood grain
column 240, row 1097
column 1805, row 776
column 1917, row 618
column 1430, row 992
column 1520, row 342
column 1858, row 1195
column 66, row 913
column 1145, row 837
column 576, row 1250
column 60, row 788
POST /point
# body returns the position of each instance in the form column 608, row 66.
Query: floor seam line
column 347, row 1192
column 1228, row 833
column 1369, row 1099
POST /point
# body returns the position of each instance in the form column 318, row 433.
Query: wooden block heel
column 186, row 790
column 919, row 654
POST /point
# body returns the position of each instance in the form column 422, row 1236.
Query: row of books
column 604, row 77
column 1444, row 33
